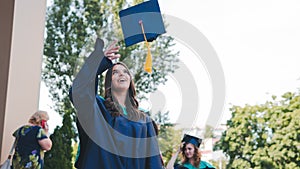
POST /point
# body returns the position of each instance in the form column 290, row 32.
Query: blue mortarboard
column 149, row 13
column 192, row 139
column 142, row 22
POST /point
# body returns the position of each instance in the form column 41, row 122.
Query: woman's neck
column 191, row 161
column 120, row 97
column 30, row 124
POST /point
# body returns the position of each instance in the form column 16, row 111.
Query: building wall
column 23, row 60
column 6, row 23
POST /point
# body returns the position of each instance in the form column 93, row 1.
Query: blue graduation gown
column 105, row 141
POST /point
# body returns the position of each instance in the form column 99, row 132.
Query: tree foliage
column 264, row 136
column 168, row 137
column 71, row 29
column 57, row 157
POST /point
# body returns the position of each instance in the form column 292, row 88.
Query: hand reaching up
column 112, row 51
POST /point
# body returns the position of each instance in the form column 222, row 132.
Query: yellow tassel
column 148, row 63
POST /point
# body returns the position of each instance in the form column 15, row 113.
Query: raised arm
column 89, row 110
column 171, row 163
column 97, row 56
column 45, row 144
column 43, row 139
column 86, row 77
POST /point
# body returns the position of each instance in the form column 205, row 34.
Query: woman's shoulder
column 144, row 110
column 17, row 131
column 204, row 164
column 23, row 130
column 179, row 166
column 186, row 165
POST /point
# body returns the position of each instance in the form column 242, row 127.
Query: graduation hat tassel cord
column 148, row 63
column 134, row 19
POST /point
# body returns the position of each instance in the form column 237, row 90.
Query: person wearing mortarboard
column 191, row 156
column 114, row 132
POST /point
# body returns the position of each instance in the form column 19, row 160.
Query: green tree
column 57, row 157
column 168, row 137
column 71, row 28
column 264, row 136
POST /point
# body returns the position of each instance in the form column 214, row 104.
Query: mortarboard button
column 192, row 139
column 142, row 22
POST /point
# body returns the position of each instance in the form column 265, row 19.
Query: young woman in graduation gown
column 191, row 156
column 113, row 132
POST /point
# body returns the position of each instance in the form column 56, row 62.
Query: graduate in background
column 191, row 156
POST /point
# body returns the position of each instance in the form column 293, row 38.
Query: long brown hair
column 196, row 157
column 131, row 103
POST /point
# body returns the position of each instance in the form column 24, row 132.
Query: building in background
column 22, row 25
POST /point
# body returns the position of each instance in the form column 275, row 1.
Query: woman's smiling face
column 189, row 150
column 120, row 78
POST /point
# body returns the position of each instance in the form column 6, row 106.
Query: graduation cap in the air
column 192, row 139
column 142, row 22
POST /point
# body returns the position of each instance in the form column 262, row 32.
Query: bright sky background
column 257, row 42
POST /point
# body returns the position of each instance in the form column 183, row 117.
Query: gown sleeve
column 153, row 162
column 95, row 132
column 84, row 98
column 105, row 64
